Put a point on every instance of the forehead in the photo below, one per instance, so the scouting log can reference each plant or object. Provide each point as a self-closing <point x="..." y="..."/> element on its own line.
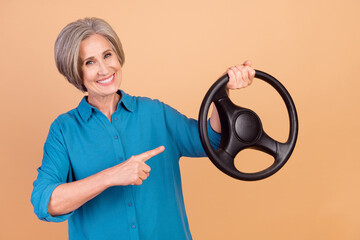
<point x="93" y="46"/>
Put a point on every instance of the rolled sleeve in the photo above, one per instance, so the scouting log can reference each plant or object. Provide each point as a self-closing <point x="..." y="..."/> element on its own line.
<point x="54" y="171"/>
<point x="40" y="200"/>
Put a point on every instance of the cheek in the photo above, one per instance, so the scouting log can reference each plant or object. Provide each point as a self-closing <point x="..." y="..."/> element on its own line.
<point x="115" y="63"/>
<point x="88" y="76"/>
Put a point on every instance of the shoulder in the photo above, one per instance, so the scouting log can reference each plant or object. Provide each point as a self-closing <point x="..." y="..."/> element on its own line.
<point x="71" y="116"/>
<point x="147" y="104"/>
<point x="65" y="122"/>
<point x="156" y="109"/>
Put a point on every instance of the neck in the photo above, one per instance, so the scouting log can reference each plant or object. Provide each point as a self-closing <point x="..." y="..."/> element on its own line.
<point x="107" y="105"/>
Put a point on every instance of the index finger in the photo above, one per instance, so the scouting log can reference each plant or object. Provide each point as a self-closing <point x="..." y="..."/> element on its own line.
<point x="247" y="63"/>
<point x="149" y="154"/>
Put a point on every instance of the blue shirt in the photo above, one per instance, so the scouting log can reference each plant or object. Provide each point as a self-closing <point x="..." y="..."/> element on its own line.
<point x="83" y="142"/>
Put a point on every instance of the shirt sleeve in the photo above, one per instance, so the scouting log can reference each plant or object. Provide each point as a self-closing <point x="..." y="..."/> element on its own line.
<point x="53" y="171"/>
<point x="186" y="133"/>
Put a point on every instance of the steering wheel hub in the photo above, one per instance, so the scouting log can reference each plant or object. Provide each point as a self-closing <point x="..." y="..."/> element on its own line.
<point x="247" y="127"/>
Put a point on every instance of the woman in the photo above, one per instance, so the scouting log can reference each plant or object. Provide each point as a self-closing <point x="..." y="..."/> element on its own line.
<point x="97" y="157"/>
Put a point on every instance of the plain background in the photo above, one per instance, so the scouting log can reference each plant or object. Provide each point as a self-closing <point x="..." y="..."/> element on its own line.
<point x="174" y="51"/>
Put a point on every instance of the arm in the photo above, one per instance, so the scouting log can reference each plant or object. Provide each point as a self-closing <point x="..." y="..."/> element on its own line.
<point x="68" y="197"/>
<point x="184" y="132"/>
<point x="240" y="76"/>
<point x="54" y="197"/>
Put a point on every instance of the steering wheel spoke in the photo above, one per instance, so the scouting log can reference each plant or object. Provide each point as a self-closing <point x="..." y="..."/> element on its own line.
<point x="267" y="144"/>
<point x="225" y="106"/>
<point x="232" y="145"/>
<point x="226" y="158"/>
<point x="228" y="112"/>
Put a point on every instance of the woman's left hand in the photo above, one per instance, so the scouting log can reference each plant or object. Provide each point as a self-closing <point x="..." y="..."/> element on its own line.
<point x="240" y="76"/>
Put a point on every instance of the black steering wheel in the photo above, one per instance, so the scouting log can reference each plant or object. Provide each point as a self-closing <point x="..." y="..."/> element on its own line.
<point x="242" y="128"/>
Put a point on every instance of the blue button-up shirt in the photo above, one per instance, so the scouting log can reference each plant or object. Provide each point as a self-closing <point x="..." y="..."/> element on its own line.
<point x="83" y="142"/>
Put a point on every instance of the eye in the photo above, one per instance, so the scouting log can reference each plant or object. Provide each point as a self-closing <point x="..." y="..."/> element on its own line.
<point x="107" y="55"/>
<point x="88" y="63"/>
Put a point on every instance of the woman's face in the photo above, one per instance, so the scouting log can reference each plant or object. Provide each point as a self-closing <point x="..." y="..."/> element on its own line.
<point x="100" y="66"/>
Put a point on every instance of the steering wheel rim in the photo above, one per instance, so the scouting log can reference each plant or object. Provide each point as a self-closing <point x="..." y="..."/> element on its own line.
<point x="236" y="136"/>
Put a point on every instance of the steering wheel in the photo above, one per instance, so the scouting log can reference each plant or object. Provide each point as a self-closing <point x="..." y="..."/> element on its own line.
<point x="242" y="128"/>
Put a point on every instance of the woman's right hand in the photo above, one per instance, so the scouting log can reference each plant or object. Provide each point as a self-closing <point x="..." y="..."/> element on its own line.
<point x="133" y="171"/>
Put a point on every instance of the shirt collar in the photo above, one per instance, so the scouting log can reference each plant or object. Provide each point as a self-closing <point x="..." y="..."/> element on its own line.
<point x="126" y="100"/>
<point x="85" y="109"/>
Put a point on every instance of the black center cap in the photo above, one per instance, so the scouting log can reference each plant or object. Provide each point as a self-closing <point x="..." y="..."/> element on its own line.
<point x="247" y="126"/>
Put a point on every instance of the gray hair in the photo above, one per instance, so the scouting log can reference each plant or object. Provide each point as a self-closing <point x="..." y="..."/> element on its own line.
<point x="67" y="47"/>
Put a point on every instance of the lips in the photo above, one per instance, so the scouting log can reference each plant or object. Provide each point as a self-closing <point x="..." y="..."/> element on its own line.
<point x="106" y="81"/>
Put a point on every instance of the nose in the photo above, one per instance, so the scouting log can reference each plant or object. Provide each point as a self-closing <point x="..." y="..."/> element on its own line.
<point x="103" y="68"/>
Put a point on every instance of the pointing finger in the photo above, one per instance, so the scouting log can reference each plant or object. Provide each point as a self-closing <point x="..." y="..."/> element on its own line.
<point x="149" y="154"/>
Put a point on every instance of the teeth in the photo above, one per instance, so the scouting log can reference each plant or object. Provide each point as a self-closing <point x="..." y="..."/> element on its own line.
<point x="107" y="80"/>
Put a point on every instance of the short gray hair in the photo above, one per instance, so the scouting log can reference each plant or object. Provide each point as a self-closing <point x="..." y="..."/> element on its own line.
<point x="67" y="47"/>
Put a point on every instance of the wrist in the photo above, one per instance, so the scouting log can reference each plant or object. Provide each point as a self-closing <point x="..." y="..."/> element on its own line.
<point x="106" y="178"/>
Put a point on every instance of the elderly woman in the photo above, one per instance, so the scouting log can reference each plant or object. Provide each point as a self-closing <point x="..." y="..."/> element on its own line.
<point x="98" y="156"/>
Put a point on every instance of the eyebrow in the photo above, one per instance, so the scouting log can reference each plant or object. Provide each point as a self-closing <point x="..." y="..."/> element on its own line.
<point x="88" y="58"/>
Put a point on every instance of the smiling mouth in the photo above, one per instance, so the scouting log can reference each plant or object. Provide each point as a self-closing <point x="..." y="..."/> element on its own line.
<point x="107" y="80"/>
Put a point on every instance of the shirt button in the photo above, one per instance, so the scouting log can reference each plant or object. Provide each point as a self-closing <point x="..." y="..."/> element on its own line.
<point x="116" y="137"/>
<point x="130" y="204"/>
<point x="115" y="118"/>
<point x="120" y="158"/>
<point x="133" y="226"/>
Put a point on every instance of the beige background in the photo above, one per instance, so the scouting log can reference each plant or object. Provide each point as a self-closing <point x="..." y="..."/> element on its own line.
<point x="174" y="51"/>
